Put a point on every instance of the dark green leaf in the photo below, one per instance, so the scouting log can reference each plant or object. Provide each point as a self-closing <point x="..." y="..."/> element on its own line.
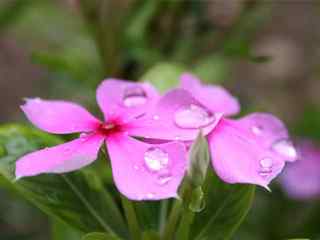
<point x="63" y="231"/>
<point x="69" y="197"/>
<point x="226" y="207"/>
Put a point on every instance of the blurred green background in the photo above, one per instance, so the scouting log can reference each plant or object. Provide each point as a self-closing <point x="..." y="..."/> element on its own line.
<point x="267" y="53"/>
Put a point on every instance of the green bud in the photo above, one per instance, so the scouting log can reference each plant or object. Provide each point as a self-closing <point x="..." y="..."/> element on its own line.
<point x="164" y="76"/>
<point x="199" y="160"/>
<point x="190" y="190"/>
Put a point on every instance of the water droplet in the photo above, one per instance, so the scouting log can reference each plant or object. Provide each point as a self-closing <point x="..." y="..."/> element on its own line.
<point x="156" y="117"/>
<point x="177" y="138"/>
<point x="83" y="135"/>
<point x="150" y="196"/>
<point x="134" y="96"/>
<point x="257" y="130"/>
<point x="136" y="167"/>
<point x="285" y="148"/>
<point x="156" y="159"/>
<point x="164" y="179"/>
<point x="266" y="167"/>
<point x="266" y="163"/>
<point x="193" y="116"/>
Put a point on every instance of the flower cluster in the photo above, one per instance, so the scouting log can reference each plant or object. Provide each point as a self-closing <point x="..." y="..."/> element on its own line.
<point x="147" y="136"/>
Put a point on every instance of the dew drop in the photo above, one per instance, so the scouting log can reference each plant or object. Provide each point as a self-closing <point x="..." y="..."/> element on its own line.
<point x="156" y="117"/>
<point x="257" y="130"/>
<point x="285" y="148"/>
<point x="150" y="196"/>
<point x="83" y="135"/>
<point x="164" y="179"/>
<point x="156" y="159"/>
<point x="193" y="116"/>
<point x="134" y="96"/>
<point x="136" y="167"/>
<point x="265" y="167"/>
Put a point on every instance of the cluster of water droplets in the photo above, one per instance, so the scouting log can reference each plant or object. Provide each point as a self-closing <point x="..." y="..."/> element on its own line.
<point x="283" y="147"/>
<point x="156" y="161"/>
<point x="193" y="116"/>
<point x="134" y="96"/>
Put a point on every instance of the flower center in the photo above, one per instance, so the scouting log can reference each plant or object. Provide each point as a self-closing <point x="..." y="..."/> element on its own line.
<point x="109" y="128"/>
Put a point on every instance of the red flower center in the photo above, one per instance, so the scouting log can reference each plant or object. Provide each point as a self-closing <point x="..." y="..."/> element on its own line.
<point x="109" y="128"/>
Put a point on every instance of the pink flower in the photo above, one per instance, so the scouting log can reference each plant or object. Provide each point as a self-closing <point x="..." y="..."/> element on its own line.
<point x="252" y="150"/>
<point x="301" y="180"/>
<point x="141" y="171"/>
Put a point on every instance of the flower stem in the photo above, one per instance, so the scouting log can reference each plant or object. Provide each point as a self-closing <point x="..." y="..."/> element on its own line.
<point x="170" y="227"/>
<point x="185" y="224"/>
<point x="163" y="214"/>
<point x="132" y="219"/>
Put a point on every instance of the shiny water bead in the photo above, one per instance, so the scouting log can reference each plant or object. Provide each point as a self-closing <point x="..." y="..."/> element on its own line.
<point x="156" y="159"/>
<point x="134" y="96"/>
<point x="265" y="167"/>
<point x="164" y="179"/>
<point x="193" y="116"/>
<point x="257" y="130"/>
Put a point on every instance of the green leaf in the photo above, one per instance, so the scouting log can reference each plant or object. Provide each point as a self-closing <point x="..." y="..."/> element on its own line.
<point x="226" y="207"/>
<point x="68" y="197"/>
<point x="164" y="76"/>
<point x="99" y="236"/>
<point x="63" y="231"/>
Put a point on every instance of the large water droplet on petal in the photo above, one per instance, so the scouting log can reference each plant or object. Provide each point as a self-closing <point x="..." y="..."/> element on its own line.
<point x="193" y="116"/>
<point x="134" y="96"/>
<point x="266" y="163"/>
<point x="156" y="159"/>
<point x="285" y="148"/>
<point x="265" y="167"/>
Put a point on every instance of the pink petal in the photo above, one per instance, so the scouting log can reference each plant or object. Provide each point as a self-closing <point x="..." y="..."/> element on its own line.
<point x="62" y="158"/>
<point x="241" y="154"/>
<point x="144" y="171"/>
<point x="126" y="99"/>
<point x="214" y="97"/>
<point x="301" y="179"/>
<point x="177" y="116"/>
<point x="59" y="116"/>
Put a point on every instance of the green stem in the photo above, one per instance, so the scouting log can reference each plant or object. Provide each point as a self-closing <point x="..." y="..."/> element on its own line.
<point x="163" y="215"/>
<point x="132" y="219"/>
<point x="185" y="224"/>
<point x="170" y="227"/>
